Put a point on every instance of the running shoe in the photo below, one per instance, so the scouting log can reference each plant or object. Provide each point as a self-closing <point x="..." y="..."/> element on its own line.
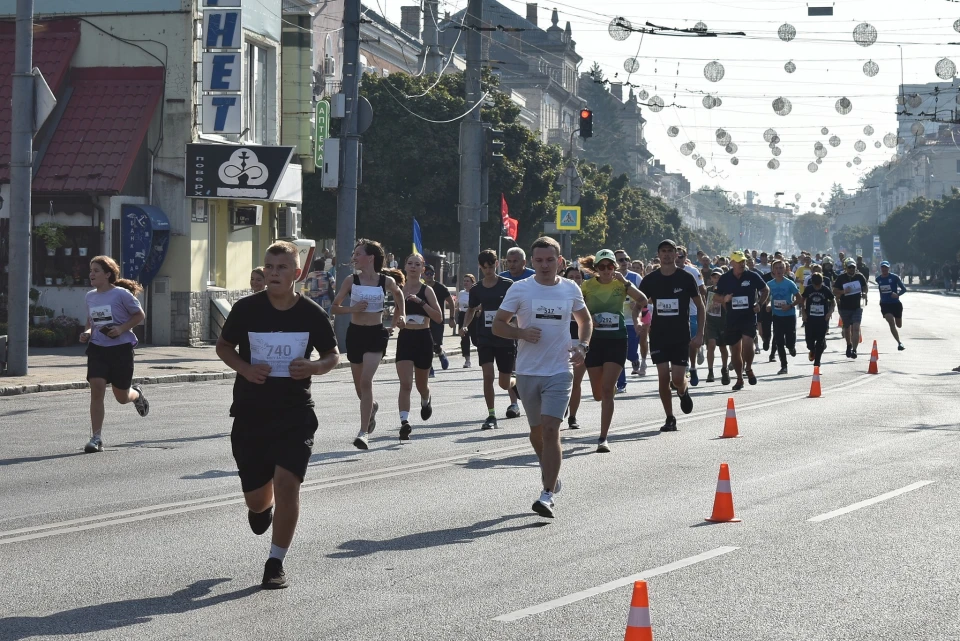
<point x="724" y="376"/>
<point x="643" y="369"/>
<point x="602" y="446"/>
<point x="405" y="430"/>
<point x="853" y="353"/>
<point x="513" y="411"/>
<point x="426" y="408"/>
<point x="670" y="425"/>
<point x="694" y="378"/>
<point x="572" y="423"/>
<point x="274" y="577"/>
<point x="710" y="377"/>
<point x="793" y="351"/>
<point x="544" y="505"/>
<point x="636" y="368"/>
<point x="700" y="356"/>
<point x="738" y="385"/>
<point x="621" y="390"/>
<point x="900" y="347"/>
<point x="773" y="357"/>
<point x="361" y="441"/>
<point x="810" y="356"/>
<point x="444" y="361"/>
<point x="372" y="423"/>
<point x="260" y="521"/>
<point x="751" y="377"/>
<point x="686" y="403"/>
<point x="95" y="444"/>
<point x="490" y="423"/>
<point x="466" y="364"/>
<point x="756" y="349"/>
<point x="432" y="374"/>
<point x="849" y="351"/>
<point x="766" y="345"/>
<point x="142" y="404"/>
<point x="783" y="370"/>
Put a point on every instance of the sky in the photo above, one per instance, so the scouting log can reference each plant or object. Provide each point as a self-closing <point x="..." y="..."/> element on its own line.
<point x="828" y="66"/>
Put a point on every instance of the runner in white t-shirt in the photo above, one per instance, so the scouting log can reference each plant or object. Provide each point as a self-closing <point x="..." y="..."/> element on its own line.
<point x="544" y="306"/>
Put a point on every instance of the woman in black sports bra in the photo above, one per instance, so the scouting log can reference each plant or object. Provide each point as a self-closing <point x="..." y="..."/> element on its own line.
<point x="415" y="343"/>
<point x="366" y="335"/>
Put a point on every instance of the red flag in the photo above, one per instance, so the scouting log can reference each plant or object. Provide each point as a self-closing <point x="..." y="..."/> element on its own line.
<point x="509" y="225"/>
<point x="512" y="227"/>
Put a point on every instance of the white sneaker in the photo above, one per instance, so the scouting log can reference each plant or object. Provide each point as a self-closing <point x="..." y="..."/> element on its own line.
<point x="361" y="441"/>
<point x="700" y="356"/>
<point x="643" y="369"/>
<point x="544" y="505"/>
<point x="466" y="364"/>
<point x="602" y="446"/>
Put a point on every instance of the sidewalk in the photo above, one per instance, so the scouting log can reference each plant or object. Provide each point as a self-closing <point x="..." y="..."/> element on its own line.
<point x="53" y="369"/>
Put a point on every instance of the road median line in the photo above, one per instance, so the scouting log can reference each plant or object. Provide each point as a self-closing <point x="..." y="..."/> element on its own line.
<point x="869" y="502"/>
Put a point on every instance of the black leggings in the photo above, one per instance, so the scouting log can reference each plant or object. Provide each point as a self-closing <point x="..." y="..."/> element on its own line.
<point x="464" y="340"/>
<point x="784" y="336"/>
<point x="816" y="335"/>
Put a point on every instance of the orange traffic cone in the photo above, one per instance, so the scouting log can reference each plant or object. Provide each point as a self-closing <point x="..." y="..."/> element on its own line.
<point x="839" y="322"/>
<point x="723" y="502"/>
<point x="815" y="384"/>
<point x="874" y="357"/>
<point x="730" y="423"/>
<point x="638" y="621"/>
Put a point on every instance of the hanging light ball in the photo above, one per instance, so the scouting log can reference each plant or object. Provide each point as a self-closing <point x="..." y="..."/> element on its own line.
<point x="776" y="202"/>
<point x="718" y="101"/>
<point x="877" y="144"/>
<point x="643" y="95"/>
<point x="824" y="131"/>
<point x="655" y="104"/>
<point x="788" y="32"/>
<point x="856" y="160"/>
<point x="813" y="167"/>
<point x="731" y="148"/>
<point x="782" y="106"/>
<point x="820" y="153"/>
<point x="797" y="195"/>
<point x="819" y="161"/>
<point x="868" y="130"/>
<point x="834" y="141"/>
<point x="672" y="131"/>
<point x="812" y="204"/>
<point x="914" y="100"/>
<point x="775" y="139"/>
<point x="709" y="102"/>
<point x="686" y="149"/>
<point x="859" y="146"/>
<point x="870" y="68"/>
<point x="790" y="67"/>
<point x="844" y="106"/>
<point x="701" y="162"/>
<point x="720" y="133"/>
<point x="917" y="129"/>
<point x="713" y="71"/>
<point x="890" y="140"/>
<point x="631" y="65"/>
<point x="700" y="26"/>
<point x="956" y="24"/>
<point x="619" y="28"/>
<point x="849" y="164"/>
<point x="864" y="34"/>
<point x="769" y="134"/>
<point x="694" y="156"/>
<point x="734" y="161"/>
<point x="773" y="163"/>
<point x="946" y="69"/>
<point x="776" y="151"/>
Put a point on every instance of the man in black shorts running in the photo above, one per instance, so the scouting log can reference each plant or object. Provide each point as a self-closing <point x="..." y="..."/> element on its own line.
<point x="436" y="329"/>
<point x="745" y="293"/>
<point x="276" y="331"/>
<point x="670" y="291"/>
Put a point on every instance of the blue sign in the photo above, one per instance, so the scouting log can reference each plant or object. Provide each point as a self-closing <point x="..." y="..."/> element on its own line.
<point x="144" y="240"/>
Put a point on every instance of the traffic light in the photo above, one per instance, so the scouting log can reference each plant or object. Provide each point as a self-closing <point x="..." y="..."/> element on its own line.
<point x="492" y="146"/>
<point x="586" y="123"/>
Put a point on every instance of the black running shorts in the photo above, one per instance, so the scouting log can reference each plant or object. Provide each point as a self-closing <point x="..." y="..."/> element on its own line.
<point x="675" y="353"/>
<point x="362" y="339"/>
<point x="606" y="350"/>
<point x="895" y="308"/>
<point x="732" y="335"/>
<point x="113" y="364"/>
<point x="263" y="440"/>
<point x="415" y="345"/>
<point x="504" y="355"/>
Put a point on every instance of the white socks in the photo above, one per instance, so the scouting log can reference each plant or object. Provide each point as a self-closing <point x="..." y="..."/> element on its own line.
<point x="404" y="416"/>
<point x="277" y="552"/>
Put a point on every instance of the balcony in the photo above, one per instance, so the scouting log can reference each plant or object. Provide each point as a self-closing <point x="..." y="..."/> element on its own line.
<point x="561" y="136"/>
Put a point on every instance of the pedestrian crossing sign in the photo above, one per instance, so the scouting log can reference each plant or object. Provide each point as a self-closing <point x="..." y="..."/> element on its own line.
<point x="568" y="218"/>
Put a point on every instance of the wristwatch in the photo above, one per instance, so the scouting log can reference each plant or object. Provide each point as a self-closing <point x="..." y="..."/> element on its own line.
<point x="584" y="346"/>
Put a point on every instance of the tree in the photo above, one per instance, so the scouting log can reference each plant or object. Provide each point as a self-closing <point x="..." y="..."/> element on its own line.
<point x="936" y="235"/>
<point x="896" y="232"/>
<point x="810" y="232"/>
<point x="608" y="144"/>
<point x="848" y="238"/>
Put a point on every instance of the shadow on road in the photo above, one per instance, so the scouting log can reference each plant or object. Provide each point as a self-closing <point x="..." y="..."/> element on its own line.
<point x="119" y="614"/>
<point x="185" y="439"/>
<point x="434" y="538"/>
<point x="36" y="459"/>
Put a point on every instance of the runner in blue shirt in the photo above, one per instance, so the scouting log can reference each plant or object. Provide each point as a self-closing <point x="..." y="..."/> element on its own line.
<point x="785" y="296"/>
<point x="891" y="289"/>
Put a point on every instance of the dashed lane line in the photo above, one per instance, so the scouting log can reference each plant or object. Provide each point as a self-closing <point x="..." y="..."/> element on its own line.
<point x="868" y="502"/>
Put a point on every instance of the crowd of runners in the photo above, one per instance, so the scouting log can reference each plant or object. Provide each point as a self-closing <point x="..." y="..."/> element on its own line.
<point x="537" y="329"/>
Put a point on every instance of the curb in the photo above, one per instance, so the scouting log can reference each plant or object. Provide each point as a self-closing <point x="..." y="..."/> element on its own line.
<point x="195" y="377"/>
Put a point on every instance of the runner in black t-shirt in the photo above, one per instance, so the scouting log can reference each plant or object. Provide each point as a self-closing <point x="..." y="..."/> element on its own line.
<point x="485" y="299"/>
<point x="436" y="328"/>
<point x="745" y="293"/>
<point x="818" y="304"/>
<point x="274" y="422"/>
<point x="849" y="288"/>
<point x="670" y="291"/>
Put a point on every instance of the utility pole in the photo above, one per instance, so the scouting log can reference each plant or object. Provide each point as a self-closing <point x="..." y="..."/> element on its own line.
<point x="350" y="135"/>
<point x="471" y="146"/>
<point x="21" y="180"/>
<point x="431" y="38"/>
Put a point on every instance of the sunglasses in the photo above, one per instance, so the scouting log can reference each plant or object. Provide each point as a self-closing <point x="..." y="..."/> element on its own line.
<point x="606" y="267"/>
<point x="623" y="260"/>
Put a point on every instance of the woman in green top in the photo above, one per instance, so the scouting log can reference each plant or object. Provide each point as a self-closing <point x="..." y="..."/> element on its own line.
<point x="604" y="296"/>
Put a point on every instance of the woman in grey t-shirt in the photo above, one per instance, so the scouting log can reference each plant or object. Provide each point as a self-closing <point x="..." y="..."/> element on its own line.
<point x="112" y="312"/>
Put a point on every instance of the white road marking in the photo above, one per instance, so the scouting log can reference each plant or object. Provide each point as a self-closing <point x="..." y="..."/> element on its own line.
<point x="613" y="585"/>
<point x="876" y="499"/>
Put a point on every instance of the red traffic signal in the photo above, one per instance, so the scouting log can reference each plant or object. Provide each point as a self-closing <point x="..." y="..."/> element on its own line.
<point x="586" y="123"/>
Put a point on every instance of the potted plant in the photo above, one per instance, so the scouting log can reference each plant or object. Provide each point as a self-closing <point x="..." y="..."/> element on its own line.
<point x="82" y="251"/>
<point x="52" y="235"/>
<point x="48" y="275"/>
<point x="68" y="251"/>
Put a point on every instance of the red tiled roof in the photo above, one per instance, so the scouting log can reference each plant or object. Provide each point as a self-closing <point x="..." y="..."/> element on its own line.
<point x="54" y="44"/>
<point x="101" y="130"/>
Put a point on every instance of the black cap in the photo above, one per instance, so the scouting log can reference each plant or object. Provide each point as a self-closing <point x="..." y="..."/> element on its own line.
<point x="668" y="242"/>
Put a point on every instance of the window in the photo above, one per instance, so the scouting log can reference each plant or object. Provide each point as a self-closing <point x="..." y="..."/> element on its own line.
<point x="257" y="80"/>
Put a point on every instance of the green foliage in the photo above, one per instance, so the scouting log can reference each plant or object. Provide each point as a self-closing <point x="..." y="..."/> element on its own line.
<point x="43" y="337"/>
<point x="52" y="234"/>
<point x="923" y="232"/>
<point x="896" y="232"/>
<point x="810" y="232"/>
<point x="851" y="237"/>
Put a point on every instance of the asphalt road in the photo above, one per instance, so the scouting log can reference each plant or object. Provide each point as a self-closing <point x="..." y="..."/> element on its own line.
<point x="435" y="539"/>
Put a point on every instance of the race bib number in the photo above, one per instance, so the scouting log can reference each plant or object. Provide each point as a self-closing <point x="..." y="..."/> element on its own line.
<point x="277" y="349"/>
<point x="372" y="296"/>
<point x="606" y="322"/>
<point x="551" y="311"/>
<point x="884" y="289"/>
<point x="780" y="304"/>
<point x="101" y="315"/>
<point x="668" y="307"/>
<point x="740" y="302"/>
<point x="416" y="319"/>
<point x="852" y="288"/>
<point x="488" y="318"/>
<point x="816" y="310"/>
